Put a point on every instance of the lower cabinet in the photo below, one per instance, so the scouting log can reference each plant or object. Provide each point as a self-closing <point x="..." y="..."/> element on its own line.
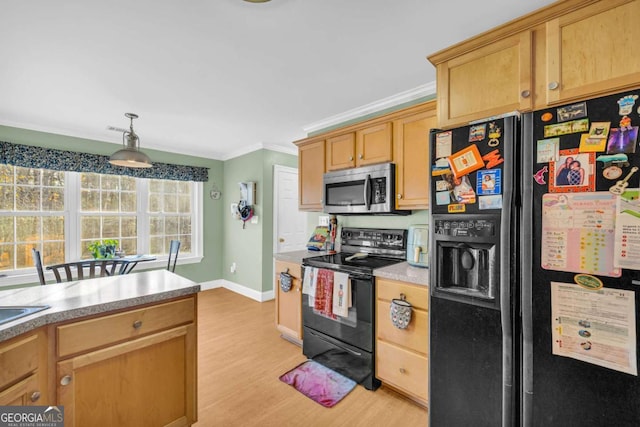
<point x="23" y="376"/>
<point x="289" y="303"/>
<point x="131" y="368"/>
<point x="402" y="361"/>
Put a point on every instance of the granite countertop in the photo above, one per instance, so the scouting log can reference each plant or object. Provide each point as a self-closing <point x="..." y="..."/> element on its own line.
<point x="77" y="299"/>
<point x="297" y="256"/>
<point x="404" y="272"/>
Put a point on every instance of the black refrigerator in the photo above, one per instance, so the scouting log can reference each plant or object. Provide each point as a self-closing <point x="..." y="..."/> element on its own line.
<point x="535" y="268"/>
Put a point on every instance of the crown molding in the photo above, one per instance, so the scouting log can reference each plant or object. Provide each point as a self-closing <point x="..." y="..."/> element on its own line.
<point x="383" y="104"/>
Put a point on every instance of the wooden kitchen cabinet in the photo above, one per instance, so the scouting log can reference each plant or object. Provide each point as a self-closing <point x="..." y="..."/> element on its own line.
<point x="289" y="304"/>
<point x="402" y="355"/>
<point x="374" y="144"/>
<point x="311" y="167"/>
<point x="590" y="51"/>
<point x="411" y="155"/>
<point x="366" y="146"/>
<point x="23" y="376"/>
<point x="568" y="51"/>
<point x="486" y="81"/>
<point x="132" y="368"/>
<point x="341" y="152"/>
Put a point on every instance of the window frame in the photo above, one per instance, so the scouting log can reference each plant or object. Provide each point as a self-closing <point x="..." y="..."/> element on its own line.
<point x="72" y="216"/>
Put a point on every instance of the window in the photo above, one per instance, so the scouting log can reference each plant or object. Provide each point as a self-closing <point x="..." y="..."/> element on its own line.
<point x="31" y="215"/>
<point x="61" y="213"/>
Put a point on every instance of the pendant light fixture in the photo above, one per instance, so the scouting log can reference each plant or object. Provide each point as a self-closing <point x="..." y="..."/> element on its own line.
<point x="130" y="156"/>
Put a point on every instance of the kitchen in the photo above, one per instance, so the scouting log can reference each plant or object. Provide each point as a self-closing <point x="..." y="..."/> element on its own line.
<point x="210" y="205"/>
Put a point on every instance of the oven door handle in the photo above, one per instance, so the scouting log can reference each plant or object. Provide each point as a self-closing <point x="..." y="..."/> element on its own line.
<point x="367" y="192"/>
<point x="334" y="344"/>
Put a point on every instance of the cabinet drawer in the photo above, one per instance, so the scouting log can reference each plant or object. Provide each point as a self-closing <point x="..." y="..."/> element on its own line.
<point x="414" y="337"/>
<point x="93" y="333"/>
<point x="417" y="295"/>
<point x="402" y="369"/>
<point x="18" y="358"/>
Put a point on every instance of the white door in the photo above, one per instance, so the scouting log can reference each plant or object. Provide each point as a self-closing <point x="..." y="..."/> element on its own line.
<point x="290" y="224"/>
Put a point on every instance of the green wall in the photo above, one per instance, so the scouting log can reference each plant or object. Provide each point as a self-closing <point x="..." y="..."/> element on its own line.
<point x="251" y="248"/>
<point x="211" y="266"/>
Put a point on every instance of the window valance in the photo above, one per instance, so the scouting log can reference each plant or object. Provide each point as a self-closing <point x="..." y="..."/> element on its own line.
<point x="28" y="156"/>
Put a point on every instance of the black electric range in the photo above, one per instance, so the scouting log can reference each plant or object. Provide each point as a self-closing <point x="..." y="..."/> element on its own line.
<point x="364" y="250"/>
<point x="346" y="344"/>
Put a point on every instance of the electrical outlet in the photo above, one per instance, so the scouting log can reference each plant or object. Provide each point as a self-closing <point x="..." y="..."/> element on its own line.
<point x="323" y="220"/>
<point x="233" y="268"/>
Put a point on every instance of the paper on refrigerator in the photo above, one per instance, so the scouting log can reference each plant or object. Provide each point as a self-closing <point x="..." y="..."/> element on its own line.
<point x="627" y="233"/>
<point x="595" y="326"/>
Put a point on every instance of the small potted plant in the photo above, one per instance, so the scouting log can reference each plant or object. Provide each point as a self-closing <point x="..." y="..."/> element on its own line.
<point x="103" y="249"/>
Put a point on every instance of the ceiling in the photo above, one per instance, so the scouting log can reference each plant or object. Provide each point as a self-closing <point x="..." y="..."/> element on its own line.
<point x="220" y="78"/>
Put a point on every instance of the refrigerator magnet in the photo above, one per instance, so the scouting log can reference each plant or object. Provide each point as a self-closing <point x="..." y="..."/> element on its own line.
<point x="538" y="177"/>
<point x="572" y="172"/>
<point x="626" y="103"/>
<point x="492" y="159"/>
<point x="494" y="135"/>
<point x="490" y="202"/>
<point x="588" y="281"/>
<point x="489" y="181"/>
<point x="547" y="150"/>
<point x="443" y="144"/>
<point x="572" y="112"/>
<point x="591" y="145"/>
<point x="622" y="140"/>
<point x="477" y="132"/>
<point x="546" y="117"/>
<point x="465" y="161"/>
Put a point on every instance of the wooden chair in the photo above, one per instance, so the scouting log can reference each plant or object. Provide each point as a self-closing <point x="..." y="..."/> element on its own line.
<point x="37" y="262"/>
<point x="174" y="248"/>
<point x="89" y="269"/>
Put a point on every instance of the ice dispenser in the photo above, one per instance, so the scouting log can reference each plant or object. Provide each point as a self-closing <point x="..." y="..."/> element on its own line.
<point x="418" y="245"/>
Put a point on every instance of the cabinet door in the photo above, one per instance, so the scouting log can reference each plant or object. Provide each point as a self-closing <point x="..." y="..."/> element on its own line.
<point x="289" y="304"/>
<point x="491" y="80"/>
<point x="341" y="152"/>
<point x="374" y="145"/>
<point x="591" y="51"/>
<point x="311" y="163"/>
<point x="147" y="381"/>
<point x="411" y="155"/>
<point x="25" y="393"/>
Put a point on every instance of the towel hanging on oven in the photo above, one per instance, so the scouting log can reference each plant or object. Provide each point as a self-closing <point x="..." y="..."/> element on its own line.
<point x="286" y="280"/>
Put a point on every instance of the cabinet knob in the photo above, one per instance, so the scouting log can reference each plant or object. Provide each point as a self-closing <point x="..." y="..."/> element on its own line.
<point x="553" y="85"/>
<point x="525" y="93"/>
<point x="402" y="371"/>
<point x="137" y="324"/>
<point x="351" y="159"/>
<point x="399" y="196"/>
<point x="65" y="380"/>
<point x="361" y="156"/>
<point x="281" y="240"/>
<point x="35" y="396"/>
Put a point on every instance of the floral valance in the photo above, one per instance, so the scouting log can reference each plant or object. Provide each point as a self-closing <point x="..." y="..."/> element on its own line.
<point x="28" y="156"/>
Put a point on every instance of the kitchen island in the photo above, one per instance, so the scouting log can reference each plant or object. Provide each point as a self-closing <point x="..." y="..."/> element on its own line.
<point x="116" y="350"/>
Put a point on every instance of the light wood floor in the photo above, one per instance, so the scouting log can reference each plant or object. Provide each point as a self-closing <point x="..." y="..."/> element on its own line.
<point x="240" y="357"/>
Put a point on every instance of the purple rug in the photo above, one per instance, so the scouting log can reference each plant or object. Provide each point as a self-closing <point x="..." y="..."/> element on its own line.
<point x="319" y="383"/>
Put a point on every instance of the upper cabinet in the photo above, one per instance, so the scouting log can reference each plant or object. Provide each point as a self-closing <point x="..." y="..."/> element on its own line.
<point x="489" y="80"/>
<point x="366" y="146"/>
<point x="411" y="155"/>
<point x="311" y="167"/>
<point x="570" y="50"/>
<point x="374" y="144"/>
<point x="401" y="137"/>
<point x="591" y="51"/>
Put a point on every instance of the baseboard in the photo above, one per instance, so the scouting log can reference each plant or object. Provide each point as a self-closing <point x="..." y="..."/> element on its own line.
<point x="239" y="289"/>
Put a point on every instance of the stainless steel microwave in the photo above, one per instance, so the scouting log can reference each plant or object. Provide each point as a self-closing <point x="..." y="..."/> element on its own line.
<point x="364" y="190"/>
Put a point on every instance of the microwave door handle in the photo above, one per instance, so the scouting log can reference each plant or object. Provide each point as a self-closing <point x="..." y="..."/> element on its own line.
<point x="367" y="192"/>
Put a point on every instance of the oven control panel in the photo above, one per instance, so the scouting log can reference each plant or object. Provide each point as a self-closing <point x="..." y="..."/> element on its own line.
<point x="374" y="238"/>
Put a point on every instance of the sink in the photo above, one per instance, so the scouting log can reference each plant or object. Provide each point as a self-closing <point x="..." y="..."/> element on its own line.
<point x="9" y="313"/>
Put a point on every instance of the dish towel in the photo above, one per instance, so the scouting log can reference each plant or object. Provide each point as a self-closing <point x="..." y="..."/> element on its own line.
<point x="323" y="303"/>
<point x="309" y="281"/>
<point x="341" y="294"/>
